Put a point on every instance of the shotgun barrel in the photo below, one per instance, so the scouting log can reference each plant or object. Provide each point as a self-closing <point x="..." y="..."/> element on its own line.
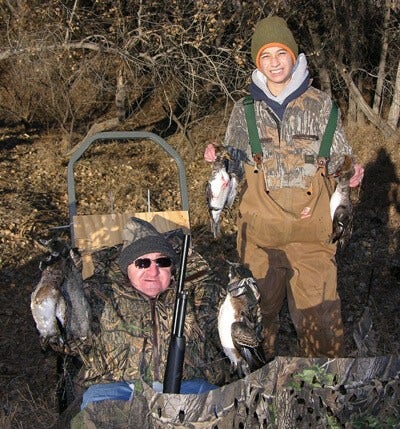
<point x="176" y="350"/>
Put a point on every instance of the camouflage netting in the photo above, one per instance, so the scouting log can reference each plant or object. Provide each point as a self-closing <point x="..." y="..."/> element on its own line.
<point x="286" y="393"/>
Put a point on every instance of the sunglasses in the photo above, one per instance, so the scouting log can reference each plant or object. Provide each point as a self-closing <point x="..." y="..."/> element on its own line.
<point x="163" y="262"/>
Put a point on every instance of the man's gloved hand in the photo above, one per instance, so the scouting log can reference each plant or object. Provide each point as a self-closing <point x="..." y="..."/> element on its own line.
<point x="358" y="175"/>
<point x="209" y="153"/>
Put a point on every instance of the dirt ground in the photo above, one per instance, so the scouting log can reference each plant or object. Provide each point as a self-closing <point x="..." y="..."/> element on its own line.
<point x="118" y="177"/>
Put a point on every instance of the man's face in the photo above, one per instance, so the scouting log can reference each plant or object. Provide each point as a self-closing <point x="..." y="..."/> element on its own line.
<point x="276" y="65"/>
<point x="152" y="280"/>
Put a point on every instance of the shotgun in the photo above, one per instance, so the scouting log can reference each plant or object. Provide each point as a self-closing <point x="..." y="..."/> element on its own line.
<point x="176" y="350"/>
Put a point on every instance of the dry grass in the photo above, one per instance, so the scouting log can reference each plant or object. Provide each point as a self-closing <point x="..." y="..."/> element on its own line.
<point x="34" y="199"/>
<point x="24" y="409"/>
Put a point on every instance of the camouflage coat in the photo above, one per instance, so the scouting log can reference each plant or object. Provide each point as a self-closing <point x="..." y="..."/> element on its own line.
<point x="132" y="331"/>
<point x="290" y="146"/>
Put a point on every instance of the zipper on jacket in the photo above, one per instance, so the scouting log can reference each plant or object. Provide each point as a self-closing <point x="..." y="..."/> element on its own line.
<point x="277" y="121"/>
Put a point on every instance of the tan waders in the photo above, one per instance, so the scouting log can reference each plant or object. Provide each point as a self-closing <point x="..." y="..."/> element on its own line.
<point x="291" y="258"/>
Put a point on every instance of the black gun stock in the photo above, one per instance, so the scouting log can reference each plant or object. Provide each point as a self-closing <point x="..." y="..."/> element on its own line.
<point x="176" y="350"/>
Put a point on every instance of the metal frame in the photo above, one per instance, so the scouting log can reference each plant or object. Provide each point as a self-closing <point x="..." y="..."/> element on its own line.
<point x="123" y="135"/>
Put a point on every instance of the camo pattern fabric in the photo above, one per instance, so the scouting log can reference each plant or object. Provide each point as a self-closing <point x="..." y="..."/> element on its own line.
<point x="290" y="147"/>
<point x="289" y="392"/>
<point x="132" y="331"/>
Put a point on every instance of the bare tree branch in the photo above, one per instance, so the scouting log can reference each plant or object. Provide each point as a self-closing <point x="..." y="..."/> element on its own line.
<point x="59" y="63"/>
<point x="382" y="62"/>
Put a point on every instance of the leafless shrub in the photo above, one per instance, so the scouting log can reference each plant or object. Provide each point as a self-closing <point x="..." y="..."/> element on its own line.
<point x="63" y="58"/>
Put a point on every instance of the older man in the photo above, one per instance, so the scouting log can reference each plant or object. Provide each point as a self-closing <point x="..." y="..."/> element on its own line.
<point x="132" y="296"/>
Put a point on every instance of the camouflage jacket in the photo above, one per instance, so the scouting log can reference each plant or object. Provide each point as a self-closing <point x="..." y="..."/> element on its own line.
<point x="290" y="147"/>
<point x="132" y="332"/>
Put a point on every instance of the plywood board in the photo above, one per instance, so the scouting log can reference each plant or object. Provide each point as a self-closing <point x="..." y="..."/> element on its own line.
<point x="97" y="231"/>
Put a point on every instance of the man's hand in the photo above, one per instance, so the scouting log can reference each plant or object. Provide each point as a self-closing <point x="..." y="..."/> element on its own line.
<point x="358" y="175"/>
<point x="209" y="153"/>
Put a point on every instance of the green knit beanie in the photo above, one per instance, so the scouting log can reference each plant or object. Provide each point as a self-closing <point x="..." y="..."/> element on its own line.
<point x="272" y="31"/>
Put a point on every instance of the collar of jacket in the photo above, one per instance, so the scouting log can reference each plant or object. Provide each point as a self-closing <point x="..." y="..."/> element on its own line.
<point x="278" y="108"/>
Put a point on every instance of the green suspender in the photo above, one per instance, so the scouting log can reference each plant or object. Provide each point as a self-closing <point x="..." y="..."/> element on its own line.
<point x="252" y="126"/>
<point x="326" y="142"/>
<point x="256" y="150"/>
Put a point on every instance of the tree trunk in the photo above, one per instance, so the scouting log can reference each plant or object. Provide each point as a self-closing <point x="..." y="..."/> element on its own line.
<point x="352" y="111"/>
<point x="382" y="62"/>
<point x="325" y="79"/>
<point x="359" y="112"/>
<point x="323" y="72"/>
<point x="363" y="105"/>
<point x="394" y="111"/>
<point x="355" y="115"/>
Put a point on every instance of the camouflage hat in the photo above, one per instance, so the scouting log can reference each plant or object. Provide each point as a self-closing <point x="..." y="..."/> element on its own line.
<point x="140" y="238"/>
<point x="272" y="31"/>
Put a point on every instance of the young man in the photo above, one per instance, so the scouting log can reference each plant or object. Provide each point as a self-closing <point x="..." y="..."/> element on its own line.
<point x="284" y="221"/>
